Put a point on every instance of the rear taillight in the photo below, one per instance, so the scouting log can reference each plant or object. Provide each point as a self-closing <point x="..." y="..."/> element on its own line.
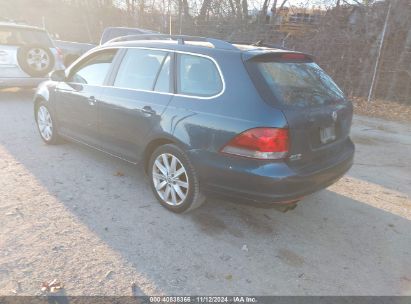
<point x="260" y="143"/>
<point x="60" y="53"/>
<point x="294" y="56"/>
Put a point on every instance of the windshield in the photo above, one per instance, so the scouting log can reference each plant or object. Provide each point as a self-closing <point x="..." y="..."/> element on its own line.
<point x="299" y="84"/>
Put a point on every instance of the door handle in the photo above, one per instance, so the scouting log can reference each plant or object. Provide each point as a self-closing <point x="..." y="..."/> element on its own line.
<point x="92" y="100"/>
<point x="148" y="111"/>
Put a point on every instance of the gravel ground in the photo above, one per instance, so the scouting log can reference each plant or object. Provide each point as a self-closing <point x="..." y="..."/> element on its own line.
<point x="388" y="110"/>
<point x="67" y="214"/>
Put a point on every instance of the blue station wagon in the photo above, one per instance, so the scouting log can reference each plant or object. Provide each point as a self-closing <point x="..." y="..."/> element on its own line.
<point x="204" y="117"/>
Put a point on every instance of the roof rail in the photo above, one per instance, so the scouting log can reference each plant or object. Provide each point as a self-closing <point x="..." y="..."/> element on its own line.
<point x="219" y="44"/>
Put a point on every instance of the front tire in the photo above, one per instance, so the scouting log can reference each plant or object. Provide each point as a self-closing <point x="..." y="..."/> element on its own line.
<point x="174" y="180"/>
<point x="46" y="125"/>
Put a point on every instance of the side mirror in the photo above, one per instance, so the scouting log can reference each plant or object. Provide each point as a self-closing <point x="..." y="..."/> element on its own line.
<point x="59" y="75"/>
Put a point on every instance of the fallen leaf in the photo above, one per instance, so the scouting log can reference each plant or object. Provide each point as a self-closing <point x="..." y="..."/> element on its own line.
<point x="52" y="286"/>
<point x="108" y="274"/>
<point x="229" y="277"/>
<point x="119" y="173"/>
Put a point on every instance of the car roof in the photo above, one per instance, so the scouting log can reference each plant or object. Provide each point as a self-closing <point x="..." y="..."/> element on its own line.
<point x="200" y="47"/>
<point x="20" y="26"/>
<point x="129" y="29"/>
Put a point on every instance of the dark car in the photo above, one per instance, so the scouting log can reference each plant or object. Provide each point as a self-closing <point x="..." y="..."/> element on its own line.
<point x="72" y="50"/>
<point x="205" y="117"/>
<point x="111" y="33"/>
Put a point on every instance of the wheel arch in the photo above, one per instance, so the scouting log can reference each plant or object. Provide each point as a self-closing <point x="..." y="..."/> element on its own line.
<point x="154" y="144"/>
<point x="42" y="95"/>
<point x="37" y="100"/>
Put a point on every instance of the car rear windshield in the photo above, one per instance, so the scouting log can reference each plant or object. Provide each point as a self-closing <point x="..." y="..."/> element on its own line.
<point x="298" y="84"/>
<point x="21" y="36"/>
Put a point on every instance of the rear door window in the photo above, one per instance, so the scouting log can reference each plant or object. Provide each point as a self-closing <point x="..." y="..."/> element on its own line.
<point x="198" y="76"/>
<point x="94" y="69"/>
<point x="301" y="84"/>
<point x="21" y="37"/>
<point x="139" y="69"/>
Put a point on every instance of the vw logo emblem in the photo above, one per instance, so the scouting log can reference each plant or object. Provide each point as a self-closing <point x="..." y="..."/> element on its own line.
<point x="334" y="115"/>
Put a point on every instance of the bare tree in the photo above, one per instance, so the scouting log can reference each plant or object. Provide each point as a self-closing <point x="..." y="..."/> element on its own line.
<point x="239" y="13"/>
<point x="186" y="9"/>
<point x="245" y="9"/>
<point x="205" y="7"/>
<point x="264" y="11"/>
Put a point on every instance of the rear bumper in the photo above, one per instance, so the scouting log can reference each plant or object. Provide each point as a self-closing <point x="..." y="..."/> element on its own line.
<point x="20" y="82"/>
<point x="267" y="182"/>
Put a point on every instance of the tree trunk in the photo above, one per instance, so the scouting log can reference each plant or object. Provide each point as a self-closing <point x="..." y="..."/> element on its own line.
<point x="204" y="10"/>
<point x="264" y="11"/>
<point x="245" y="9"/>
<point x="282" y="4"/>
<point x="274" y="12"/>
<point x="238" y="14"/>
<point x="186" y="9"/>
<point x="180" y="16"/>
<point x="131" y="4"/>
<point x="232" y="7"/>
<point x="141" y="9"/>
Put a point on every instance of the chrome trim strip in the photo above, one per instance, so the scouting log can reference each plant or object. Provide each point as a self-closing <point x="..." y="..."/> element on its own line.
<point x="162" y="93"/>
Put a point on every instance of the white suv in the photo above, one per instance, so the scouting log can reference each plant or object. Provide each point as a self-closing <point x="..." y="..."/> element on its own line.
<point x="27" y="55"/>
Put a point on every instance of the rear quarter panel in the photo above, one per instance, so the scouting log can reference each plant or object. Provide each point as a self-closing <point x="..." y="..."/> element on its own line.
<point x="208" y="124"/>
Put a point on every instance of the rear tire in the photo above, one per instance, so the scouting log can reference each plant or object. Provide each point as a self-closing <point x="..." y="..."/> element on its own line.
<point x="174" y="180"/>
<point x="35" y="60"/>
<point x="46" y="124"/>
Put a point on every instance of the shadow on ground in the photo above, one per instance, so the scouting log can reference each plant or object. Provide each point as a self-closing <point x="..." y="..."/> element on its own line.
<point x="330" y="244"/>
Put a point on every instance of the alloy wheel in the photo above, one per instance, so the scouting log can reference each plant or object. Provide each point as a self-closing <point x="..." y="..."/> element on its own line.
<point x="170" y="179"/>
<point x="38" y="59"/>
<point x="45" y="123"/>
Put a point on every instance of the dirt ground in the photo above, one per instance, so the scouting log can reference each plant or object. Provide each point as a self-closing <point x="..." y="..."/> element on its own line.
<point x="66" y="214"/>
<point x="389" y="110"/>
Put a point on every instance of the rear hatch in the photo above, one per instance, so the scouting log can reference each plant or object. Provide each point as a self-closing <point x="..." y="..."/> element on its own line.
<point x="318" y="114"/>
